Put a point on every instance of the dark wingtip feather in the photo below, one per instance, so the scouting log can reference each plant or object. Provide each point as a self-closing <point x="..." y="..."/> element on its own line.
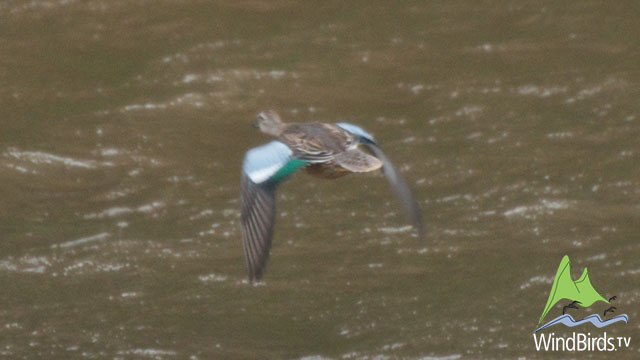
<point x="258" y="219"/>
<point x="400" y="188"/>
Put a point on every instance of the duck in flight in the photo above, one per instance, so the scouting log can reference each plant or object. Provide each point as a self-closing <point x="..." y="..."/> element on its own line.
<point x="324" y="150"/>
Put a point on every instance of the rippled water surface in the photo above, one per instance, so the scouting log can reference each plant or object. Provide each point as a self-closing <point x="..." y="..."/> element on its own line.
<point x="123" y="125"/>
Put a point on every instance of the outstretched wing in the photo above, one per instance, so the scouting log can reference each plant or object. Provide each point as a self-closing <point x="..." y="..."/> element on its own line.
<point x="397" y="182"/>
<point x="263" y="169"/>
<point x="258" y="219"/>
<point x="399" y="187"/>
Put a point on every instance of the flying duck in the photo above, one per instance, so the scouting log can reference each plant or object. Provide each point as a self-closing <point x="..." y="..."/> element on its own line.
<point x="324" y="150"/>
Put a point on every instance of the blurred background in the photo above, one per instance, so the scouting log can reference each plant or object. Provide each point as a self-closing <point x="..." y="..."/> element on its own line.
<point x="123" y="125"/>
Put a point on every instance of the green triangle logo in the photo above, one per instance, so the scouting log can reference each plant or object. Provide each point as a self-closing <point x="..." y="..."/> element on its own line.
<point x="565" y="288"/>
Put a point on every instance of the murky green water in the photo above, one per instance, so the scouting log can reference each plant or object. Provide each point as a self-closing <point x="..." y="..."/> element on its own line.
<point x="123" y="125"/>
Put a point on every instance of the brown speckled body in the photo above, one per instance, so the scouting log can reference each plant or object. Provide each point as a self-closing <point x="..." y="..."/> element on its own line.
<point x="328" y="170"/>
<point x="316" y="140"/>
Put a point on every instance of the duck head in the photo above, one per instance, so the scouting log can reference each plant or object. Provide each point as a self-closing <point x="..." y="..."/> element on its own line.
<point x="269" y="123"/>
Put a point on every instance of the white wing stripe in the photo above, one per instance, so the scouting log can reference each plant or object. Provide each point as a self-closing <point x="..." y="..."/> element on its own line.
<point x="260" y="175"/>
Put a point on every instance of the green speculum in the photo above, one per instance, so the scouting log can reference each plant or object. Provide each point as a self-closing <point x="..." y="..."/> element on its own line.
<point x="289" y="168"/>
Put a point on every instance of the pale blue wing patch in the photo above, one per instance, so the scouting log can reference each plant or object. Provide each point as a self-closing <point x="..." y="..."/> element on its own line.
<point x="356" y="130"/>
<point x="262" y="162"/>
